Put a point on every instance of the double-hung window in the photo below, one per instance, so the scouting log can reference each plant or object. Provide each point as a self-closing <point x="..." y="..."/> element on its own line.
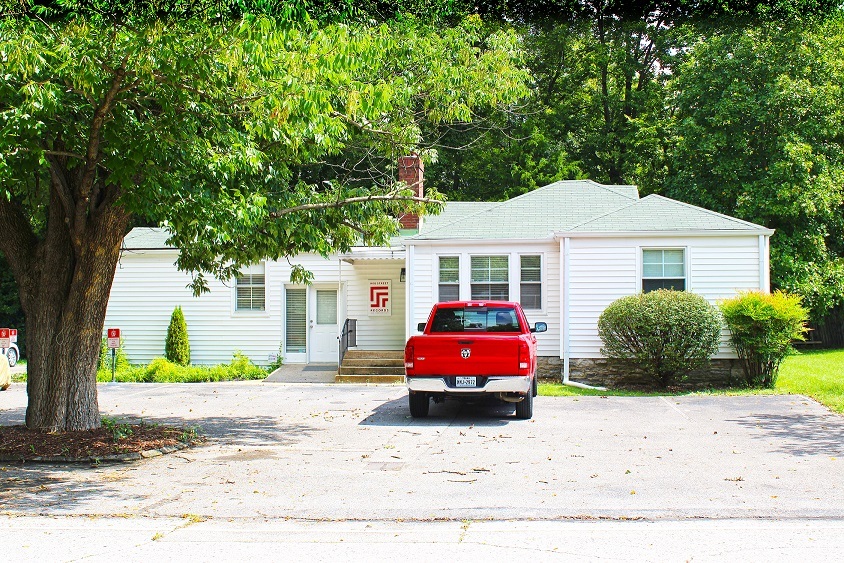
<point x="490" y="278"/>
<point x="663" y="268"/>
<point x="449" y="283"/>
<point x="250" y="288"/>
<point x="531" y="282"/>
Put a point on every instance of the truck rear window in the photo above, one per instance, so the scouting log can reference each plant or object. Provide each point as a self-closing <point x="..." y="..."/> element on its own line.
<point x="476" y="319"/>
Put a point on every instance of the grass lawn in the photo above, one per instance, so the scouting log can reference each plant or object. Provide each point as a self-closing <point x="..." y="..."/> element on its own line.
<point x="818" y="374"/>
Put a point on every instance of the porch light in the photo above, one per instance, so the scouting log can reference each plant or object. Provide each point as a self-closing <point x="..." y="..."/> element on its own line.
<point x="403" y="275"/>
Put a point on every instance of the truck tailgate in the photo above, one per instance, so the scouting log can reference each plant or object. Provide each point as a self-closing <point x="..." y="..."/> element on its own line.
<point x="449" y="354"/>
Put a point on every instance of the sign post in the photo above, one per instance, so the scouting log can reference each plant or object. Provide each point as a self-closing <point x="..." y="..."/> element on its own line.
<point x="113" y="344"/>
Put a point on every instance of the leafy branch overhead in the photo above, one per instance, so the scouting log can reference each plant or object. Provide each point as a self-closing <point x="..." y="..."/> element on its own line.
<point x="204" y="126"/>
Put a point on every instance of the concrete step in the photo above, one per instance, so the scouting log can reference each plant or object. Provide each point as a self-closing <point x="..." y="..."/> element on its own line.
<point x="371" y="370"/>
<point x="383" y="354"/>
<point x="373" y="362"/>
<point x="368" y="378"/>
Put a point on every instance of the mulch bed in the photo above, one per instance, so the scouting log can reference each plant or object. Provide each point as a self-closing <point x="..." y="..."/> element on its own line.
<point x="130" y="442"/>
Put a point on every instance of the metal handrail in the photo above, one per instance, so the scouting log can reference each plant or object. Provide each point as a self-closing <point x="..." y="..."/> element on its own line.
<point x="348" y="337"/>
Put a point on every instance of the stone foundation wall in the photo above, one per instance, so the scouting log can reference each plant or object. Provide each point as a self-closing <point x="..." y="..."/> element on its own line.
<point x="612" y="373"/>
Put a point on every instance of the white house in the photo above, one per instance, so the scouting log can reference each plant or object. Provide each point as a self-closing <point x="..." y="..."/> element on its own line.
<point x="565" y="251"/>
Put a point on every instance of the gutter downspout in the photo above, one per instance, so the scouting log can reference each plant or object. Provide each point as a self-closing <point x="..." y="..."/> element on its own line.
<point x="567" y="321"/>
<point x="764" y="284"/>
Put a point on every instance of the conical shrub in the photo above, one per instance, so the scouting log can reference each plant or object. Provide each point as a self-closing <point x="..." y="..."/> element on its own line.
<point x="177" y="346"/>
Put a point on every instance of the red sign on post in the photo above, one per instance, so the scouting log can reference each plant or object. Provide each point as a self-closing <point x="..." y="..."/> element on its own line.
<point x="13" y="334"/>
<point x="114" y="338"/>
<point x="5" y="338"/>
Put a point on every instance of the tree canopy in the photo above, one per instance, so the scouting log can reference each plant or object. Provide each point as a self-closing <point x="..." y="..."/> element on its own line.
<point x="758" y="133"/>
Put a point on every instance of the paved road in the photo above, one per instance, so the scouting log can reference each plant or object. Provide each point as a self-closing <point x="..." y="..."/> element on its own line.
<point x="351" y="455"/>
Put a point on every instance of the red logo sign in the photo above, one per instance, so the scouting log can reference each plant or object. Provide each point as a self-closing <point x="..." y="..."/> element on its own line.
<point x="4" y="333"/>
<point x="379" y="295"/>
<point x="114" y="333"/>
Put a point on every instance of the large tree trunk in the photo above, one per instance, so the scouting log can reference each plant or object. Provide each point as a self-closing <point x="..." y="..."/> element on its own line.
<point x="64" y="289"/>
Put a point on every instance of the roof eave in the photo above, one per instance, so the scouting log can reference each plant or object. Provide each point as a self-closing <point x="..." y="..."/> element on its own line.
<point x="558" y="235"/>
<point x="479" y="241"/>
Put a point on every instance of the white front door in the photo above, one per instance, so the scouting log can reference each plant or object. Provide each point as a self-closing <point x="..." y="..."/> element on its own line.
<point x="323" y="325"/>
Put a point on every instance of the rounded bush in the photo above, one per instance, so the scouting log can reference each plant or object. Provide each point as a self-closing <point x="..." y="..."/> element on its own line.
<point x="762" y="328"/>
<point x="177" y="345"/>
<point x="664" y="333"/>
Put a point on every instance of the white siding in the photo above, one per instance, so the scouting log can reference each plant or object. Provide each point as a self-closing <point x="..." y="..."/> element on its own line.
<point x="425" y="269"/>
<point x="147" y="287"/>
<point x="604" y="269"/>
<point x="379" y="332"/>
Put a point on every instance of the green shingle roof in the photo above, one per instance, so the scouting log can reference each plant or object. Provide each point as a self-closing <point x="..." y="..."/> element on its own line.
<point x="146" y="238"/>
<point x="658" y="213"/>
<point x="581" y="206"/>
<point x="537" y="214"/>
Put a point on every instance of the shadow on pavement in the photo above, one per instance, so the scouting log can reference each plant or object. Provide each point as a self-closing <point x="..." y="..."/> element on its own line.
<point x="36" y="487"/>
<point x="42" y="487"/>
<point x="800" y="434"/>
<point x="235" y="430"/>
<point x="452" y="412"/>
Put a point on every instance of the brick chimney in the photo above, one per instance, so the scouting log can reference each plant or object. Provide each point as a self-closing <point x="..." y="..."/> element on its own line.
<point x="411" y="170"/>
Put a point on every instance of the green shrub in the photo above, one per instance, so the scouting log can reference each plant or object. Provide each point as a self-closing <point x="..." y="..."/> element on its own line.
<point x="762" y="328"/>
<point x="162" y="370"/>
<point x="664" y="333"/>
<point x="177" y="346"/>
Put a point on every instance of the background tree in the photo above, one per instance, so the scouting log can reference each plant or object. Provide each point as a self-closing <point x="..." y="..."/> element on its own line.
<point x="759" y="134"/>
<point x="600" y="92"/>
<point x="200" y="125"/>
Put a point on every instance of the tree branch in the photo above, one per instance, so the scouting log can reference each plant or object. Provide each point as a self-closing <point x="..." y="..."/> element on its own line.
<point x="92" y="155"/>
<point x="49" y="152"/>
<point x="63" y="191"/>
<point x="350" y="201"/>
<point x="18" y="242"/>
<point x="361" y="126"/>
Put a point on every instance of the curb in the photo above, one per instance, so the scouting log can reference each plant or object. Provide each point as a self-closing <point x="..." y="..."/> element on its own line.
<point x="131" y="456"/>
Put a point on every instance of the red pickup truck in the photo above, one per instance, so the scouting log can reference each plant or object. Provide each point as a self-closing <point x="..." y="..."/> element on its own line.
<point x="471" y="349"/>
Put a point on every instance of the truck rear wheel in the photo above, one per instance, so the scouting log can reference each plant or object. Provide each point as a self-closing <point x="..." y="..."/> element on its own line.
<point x="419" y="403"/>
<point x="524" y="408"/>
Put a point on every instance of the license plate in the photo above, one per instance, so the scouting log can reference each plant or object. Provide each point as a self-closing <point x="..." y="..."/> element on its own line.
<point x="466" y="381"/>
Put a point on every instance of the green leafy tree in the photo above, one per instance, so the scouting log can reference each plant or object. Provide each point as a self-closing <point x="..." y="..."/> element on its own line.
<point x="759" y="135"/>
<point x="201" y="125"/>
<point x="177" y="345"/>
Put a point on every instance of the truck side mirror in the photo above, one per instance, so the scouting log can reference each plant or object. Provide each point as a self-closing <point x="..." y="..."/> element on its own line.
<point x="420" y="327"/>
<point x="539" y="327"/>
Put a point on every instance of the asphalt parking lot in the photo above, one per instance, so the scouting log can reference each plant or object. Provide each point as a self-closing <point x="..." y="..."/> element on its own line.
<point x="348" y="452"/>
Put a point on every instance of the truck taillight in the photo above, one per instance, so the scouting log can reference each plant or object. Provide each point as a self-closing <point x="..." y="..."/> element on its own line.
<point x="408" y="357"/>
<point x="524" y="355"/>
